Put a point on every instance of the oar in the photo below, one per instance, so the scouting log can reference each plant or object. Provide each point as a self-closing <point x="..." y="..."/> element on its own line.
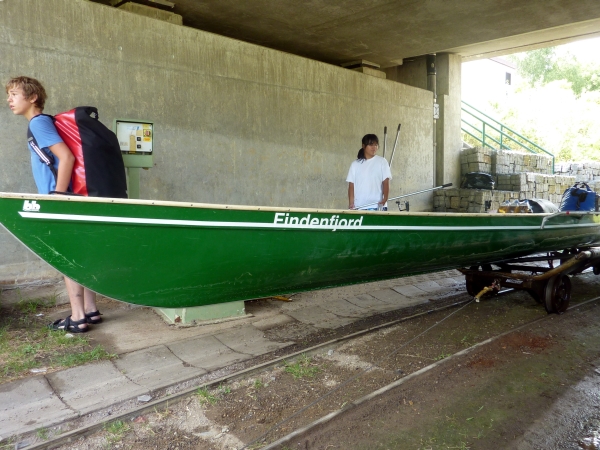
<point x="395" y="142"/>
<point x="408" y="195"/>
<point x="384" y="140"/>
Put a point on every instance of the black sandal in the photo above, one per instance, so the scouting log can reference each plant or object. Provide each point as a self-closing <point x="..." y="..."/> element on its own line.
<point x="88" y="317"/>
<point x="72" y="326"/>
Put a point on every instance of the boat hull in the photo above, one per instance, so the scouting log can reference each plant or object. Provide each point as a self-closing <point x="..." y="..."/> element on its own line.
<point x="173" y="255"/>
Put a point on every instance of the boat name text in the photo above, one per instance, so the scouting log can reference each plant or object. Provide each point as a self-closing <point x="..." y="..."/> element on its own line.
<point x="332" y="221"/>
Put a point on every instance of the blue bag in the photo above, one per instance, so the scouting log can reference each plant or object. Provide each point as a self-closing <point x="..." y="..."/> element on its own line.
<point x="579" y="197"/>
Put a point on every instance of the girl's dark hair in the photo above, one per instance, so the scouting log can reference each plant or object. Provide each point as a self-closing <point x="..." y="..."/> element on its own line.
<point x="367" y="139"/>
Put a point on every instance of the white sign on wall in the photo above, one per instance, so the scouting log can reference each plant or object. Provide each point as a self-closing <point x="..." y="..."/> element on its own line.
<point x="135" y="137"/>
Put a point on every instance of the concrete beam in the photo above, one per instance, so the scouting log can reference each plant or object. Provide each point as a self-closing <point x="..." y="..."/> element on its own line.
<point x="387" y="32"/>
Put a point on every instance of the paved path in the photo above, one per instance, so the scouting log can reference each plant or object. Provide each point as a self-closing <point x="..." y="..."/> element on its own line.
<point x="158" y="356"/>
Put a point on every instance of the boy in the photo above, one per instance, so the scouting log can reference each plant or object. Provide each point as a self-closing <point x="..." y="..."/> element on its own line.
<point x="27" y="97"/>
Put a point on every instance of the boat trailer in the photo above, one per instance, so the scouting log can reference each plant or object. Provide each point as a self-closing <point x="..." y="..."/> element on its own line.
<point x="550" y="286"/>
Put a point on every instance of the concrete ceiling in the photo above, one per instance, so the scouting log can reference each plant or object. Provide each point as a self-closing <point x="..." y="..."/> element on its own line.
<point x="388" y="31"/>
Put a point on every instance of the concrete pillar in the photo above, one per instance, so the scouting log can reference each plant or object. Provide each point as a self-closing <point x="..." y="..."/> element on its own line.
<point x="413" y="72"/>
<point x="448" y="134"/>
<point x="446" y="143"/>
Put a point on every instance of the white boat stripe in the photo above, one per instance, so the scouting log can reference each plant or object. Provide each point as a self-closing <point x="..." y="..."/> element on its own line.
<point x="212" y="224"/>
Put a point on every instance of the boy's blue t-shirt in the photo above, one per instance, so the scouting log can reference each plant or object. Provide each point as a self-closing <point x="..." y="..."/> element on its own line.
<point x="43" y="130"/>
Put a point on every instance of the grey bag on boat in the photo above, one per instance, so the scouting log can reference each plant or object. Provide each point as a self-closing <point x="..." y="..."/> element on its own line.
<point x="540" y="205"/>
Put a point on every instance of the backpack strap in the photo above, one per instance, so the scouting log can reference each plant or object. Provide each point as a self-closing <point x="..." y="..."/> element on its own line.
<point x="45" y="158"/>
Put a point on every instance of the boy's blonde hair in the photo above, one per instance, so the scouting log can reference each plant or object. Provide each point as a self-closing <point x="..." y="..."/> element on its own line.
<point x="30" y="87"/>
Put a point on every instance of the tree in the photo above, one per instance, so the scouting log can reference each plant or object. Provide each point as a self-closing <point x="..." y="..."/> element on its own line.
<point x="543" y="66"/>
<point x="555" y="118"/>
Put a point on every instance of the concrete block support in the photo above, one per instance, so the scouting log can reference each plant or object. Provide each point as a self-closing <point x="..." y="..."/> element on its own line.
<point x="186" y="316"/>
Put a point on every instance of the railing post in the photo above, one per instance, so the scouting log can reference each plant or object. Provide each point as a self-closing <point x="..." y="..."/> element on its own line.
<point x="501" y="136"/>
<point x="483" y="134"/>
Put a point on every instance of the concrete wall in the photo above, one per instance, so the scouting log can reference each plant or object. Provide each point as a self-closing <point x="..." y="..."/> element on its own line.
<point x="234" y="123"/>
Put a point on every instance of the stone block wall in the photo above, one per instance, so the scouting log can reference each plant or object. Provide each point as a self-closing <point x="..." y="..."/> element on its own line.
<point x="503" y="161"/>
<point x="588" y="172"/>
<point x="507" y="161"/>
<point x="476" y="160"/>
<point x="474" y="200"/>
<point x="517" y="176"/>
<point x="535" y="185"/>
<point x="462" y="200"/>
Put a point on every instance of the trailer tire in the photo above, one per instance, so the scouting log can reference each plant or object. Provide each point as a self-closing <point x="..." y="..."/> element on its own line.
<point x="557" y="294"/>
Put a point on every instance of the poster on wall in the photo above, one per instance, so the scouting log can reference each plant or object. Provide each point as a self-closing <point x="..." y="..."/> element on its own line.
<point x="135" y="137"/>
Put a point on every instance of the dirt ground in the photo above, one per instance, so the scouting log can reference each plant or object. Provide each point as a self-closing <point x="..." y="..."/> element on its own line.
<point x="535" y="388"/>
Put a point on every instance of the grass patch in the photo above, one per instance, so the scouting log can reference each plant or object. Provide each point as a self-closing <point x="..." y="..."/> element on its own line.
<point x="442" y="356"/>
<point x="26" y="343"/>
<point x="77" y="359"/>
<point x="302" y="368"/>
<point x="42" y="433"/>
<point x="33" y="305"/>
<point x="8" y="444"/>
<point x="116" y="430"/>
<point x="161" y="415"/>
<point x="224" y="390"/>
<point x="205" y="397"/>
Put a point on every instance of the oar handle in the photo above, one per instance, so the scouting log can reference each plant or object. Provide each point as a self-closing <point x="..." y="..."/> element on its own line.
<point x="384" y="140"/>
<point x="395" y="143"/>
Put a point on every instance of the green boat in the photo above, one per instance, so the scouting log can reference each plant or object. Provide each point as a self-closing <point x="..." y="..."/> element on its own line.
<point x="173" y="254"/>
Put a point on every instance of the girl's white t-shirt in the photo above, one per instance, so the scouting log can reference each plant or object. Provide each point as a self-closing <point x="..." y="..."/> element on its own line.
<point x="367" y="176"/>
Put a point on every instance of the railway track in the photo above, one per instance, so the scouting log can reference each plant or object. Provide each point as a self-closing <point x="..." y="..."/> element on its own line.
<point x="273" y="434"/>
<point x="298" y="434"/>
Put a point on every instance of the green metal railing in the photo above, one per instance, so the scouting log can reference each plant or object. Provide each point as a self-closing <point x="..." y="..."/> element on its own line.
<point x="490" y="133"/>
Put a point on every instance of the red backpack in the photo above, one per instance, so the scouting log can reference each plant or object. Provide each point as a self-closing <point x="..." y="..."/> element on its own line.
<point x="98" y="170"/>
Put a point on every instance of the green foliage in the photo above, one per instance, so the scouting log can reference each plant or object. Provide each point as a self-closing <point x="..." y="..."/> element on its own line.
<point x="116" y="430"/>
<point x="205" y="397"/>
<point x="42" y="434"/>
<point x="555" y="118"/>
<point x="32" y="305"/>
<point x="77" y="359"/>
<point x="537" y="66"/>
<point x="543" y="66"/>
<point x="302" y="368"/>
<point x="39" y="346"/>
<point x="442" y="356"/>
<point x="224" y="390"/>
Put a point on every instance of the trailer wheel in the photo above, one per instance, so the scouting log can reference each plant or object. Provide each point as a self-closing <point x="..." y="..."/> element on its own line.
<point x="557" y="294"/>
